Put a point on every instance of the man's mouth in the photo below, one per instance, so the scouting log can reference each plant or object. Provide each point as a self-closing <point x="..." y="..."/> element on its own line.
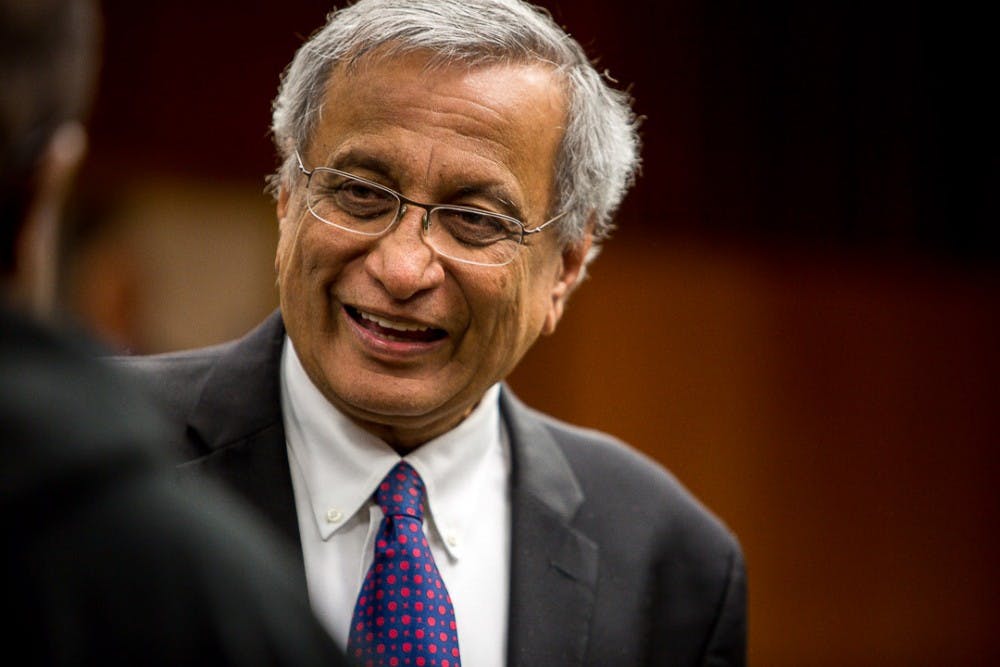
<point x="410" y="332"/>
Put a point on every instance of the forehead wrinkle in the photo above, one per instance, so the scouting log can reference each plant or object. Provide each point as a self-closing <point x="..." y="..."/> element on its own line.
<point x="373" y="152"/>
<point x="466" y="115"/>
<point x="486" y="139"/>
<point x="496" y="143"/>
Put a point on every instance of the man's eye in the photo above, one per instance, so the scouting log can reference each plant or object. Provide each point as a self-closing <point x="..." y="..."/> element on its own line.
<point x="360" y="192"/>
<point x="472" y="218"/>
<point x="475" y="227"/>
<point x="361" y="200"/>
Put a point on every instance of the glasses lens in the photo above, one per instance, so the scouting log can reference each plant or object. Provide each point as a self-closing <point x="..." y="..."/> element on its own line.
<point x="474" y="236"/>
<point x="351" y="203"/>
<point x="465" y="234"/>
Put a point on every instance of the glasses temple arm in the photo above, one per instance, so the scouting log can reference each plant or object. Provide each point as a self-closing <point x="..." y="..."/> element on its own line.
<point x="302" y="167"/>
<point x="541" y="227"/>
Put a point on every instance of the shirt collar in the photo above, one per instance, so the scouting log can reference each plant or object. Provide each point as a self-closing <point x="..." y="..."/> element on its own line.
<point x="341" y="463"/>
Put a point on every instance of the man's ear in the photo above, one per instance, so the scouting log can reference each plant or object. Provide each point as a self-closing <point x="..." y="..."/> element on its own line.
<point x="282" y="206"/>
<point x="571" y="273"/>
<point x="281" y="209"/>
<point x="38" y="243"/>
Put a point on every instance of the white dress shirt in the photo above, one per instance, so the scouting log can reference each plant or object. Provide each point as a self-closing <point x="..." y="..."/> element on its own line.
<point x="336" y="466"/>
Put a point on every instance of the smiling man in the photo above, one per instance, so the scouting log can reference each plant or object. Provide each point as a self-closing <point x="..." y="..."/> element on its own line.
<point x="449" y="169"/>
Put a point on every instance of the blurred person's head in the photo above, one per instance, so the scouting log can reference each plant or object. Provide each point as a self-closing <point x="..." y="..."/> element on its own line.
<point x="49" y="52"/>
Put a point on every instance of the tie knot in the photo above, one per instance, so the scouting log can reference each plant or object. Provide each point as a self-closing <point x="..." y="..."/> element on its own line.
<point x="401" y="492"/>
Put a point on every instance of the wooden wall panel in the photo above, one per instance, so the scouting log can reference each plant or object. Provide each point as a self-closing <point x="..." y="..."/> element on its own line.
<point x="839" y="415"/>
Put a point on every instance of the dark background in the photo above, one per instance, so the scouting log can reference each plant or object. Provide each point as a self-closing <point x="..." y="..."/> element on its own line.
<point x="867" y="126"/>
<point x="798" y="314"/>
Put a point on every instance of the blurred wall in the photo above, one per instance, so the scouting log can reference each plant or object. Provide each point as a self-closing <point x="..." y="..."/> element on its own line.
<point x="798" y="315"/>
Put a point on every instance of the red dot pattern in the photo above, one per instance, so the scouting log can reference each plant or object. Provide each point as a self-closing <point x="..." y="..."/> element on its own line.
<point x="404" y="616"/>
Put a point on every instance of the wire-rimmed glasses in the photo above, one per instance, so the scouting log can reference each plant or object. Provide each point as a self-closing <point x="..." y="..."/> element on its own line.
<point x="462" y="233"/>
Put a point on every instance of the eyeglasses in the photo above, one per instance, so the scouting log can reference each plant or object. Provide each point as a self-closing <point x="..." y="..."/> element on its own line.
<point x="462" y="233"/>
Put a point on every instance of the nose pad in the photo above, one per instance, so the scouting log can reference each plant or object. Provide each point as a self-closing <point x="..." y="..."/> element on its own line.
<point x="403" y="263"/>
<point x="424" y="218"/>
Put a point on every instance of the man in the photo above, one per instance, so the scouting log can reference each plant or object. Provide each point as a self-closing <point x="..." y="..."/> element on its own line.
<point x="106" y="560"/>
<point x="449" y="168"/>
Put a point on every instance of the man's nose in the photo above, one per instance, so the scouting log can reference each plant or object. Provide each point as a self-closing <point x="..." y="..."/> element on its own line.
<point x="401" y="260"/>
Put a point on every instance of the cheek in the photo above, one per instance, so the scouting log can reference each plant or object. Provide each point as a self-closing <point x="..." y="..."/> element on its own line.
<point x="289" y="244"/>
<point x="308" y="252"/>
<point x="514" y="307"/>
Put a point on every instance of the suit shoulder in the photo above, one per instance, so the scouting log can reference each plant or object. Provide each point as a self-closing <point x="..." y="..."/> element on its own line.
<point x="184" y="362"/>
<point x="622" y="480"/>
<point x="172" y="379"/>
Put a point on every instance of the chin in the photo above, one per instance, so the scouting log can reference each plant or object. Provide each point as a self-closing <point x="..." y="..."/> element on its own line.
<point x="390" y="399"/>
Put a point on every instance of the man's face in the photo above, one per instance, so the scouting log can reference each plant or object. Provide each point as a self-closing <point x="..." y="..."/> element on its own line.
<point x="403" y="340"/>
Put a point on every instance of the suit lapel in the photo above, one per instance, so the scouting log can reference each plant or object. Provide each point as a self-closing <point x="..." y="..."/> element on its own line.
<point x="238" y="420"/>
<point x="553" y="566"/>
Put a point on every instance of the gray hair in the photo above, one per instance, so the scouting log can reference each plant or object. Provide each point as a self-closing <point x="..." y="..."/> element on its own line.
<point x="599" y="155"/>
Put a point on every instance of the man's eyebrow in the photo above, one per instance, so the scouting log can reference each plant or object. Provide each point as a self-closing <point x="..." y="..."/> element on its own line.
<point x="493" y="192"/>
<point x="357" y="159"/>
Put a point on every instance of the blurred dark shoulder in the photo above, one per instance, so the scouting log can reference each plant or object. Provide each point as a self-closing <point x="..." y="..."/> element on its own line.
<point x="109" y="559"/>
<point x="67" y="415"/>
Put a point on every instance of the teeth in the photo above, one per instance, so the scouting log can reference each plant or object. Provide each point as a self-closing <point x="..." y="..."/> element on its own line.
<point x="390" y="324"/>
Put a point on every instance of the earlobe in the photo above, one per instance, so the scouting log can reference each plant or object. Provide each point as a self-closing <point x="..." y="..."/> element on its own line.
<point x="36" y="259"/>
<point x="281" y="210"/>
<point x="282" y="205"/>
<point x="572" y="267"/>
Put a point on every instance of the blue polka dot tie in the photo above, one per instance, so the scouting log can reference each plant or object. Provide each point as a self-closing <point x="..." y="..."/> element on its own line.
<point x="403" y="617"/>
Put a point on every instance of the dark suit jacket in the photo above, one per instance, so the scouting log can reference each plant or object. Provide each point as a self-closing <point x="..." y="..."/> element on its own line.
<point x="613" y="562"/>
<point x="106" y="561"/>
